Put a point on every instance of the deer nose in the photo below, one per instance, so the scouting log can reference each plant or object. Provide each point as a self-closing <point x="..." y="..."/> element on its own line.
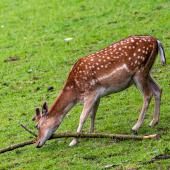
<point x="38" y="144"/>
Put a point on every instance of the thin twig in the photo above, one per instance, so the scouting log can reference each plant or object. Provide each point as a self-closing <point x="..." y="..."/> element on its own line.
<point x="28" y="130"/>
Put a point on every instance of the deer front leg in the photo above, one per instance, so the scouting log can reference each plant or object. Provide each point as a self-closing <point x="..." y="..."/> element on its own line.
<point x="143" y="85"/>
<point x="88" y="105"/>
<point x="93" y="115"/>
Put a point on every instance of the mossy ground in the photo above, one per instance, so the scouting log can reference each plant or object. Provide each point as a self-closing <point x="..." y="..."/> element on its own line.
<point x="34" y="31"/>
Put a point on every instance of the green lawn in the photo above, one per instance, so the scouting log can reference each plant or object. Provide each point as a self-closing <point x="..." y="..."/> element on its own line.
<point x="34" y="31"/>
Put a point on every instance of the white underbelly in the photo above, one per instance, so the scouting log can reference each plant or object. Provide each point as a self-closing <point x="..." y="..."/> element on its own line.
<point x="105" y="90"/>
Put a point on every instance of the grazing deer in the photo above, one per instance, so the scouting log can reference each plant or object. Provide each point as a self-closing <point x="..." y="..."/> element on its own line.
<point x="110" y="70"/>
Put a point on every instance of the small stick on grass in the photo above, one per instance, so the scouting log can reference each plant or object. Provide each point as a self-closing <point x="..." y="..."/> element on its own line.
<point x="157" y="158"/>
<point x="28" y="130"/>
<point x="80" y="135"/>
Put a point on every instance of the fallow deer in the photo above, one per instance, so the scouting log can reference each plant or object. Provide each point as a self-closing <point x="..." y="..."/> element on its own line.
<point x="109" y="70"/>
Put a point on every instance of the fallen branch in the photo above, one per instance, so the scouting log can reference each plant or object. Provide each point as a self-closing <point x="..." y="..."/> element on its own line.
<point x="97" y="135"/>
<point x="104" y="135"/>
<point x="19" y="145"/>
<point x="81" y="135"/>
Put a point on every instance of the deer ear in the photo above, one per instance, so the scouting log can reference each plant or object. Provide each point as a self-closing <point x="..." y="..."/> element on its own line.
<point x="38" y="114"/>
<point x="45" y="108"/>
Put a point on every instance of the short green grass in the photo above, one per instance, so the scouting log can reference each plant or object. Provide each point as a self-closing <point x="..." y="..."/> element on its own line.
<point x="34" y="30"/>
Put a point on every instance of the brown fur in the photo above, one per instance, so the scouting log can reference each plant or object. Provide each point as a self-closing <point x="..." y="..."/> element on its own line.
<point x="109" y="70"/>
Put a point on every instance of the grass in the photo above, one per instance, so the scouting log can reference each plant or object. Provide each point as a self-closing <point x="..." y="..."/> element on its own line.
<point x="34" y="31"/>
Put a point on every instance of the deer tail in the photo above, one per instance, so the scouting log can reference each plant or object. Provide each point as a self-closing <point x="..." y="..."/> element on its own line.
<point x="161" y="52"/>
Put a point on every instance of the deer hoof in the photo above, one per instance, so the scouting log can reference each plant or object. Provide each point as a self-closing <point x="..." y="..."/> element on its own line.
<point x="91" y="131"/>
<point x="73" y="142"/>
<point x="134" y="132"/>
<point x="153" y="123"/>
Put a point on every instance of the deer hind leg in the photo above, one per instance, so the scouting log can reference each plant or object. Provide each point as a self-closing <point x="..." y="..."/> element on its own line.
<point x="143" y="85"/>
<point x="157" y="96"/>
<point x="87" y="108"/>
<point x="93" y="115"/>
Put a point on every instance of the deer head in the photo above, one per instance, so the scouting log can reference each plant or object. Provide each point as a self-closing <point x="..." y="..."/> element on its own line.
<point x="46" y="125"/>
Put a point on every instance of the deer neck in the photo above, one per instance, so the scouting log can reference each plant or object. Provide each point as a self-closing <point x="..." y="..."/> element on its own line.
<point x="63" y="103"/>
